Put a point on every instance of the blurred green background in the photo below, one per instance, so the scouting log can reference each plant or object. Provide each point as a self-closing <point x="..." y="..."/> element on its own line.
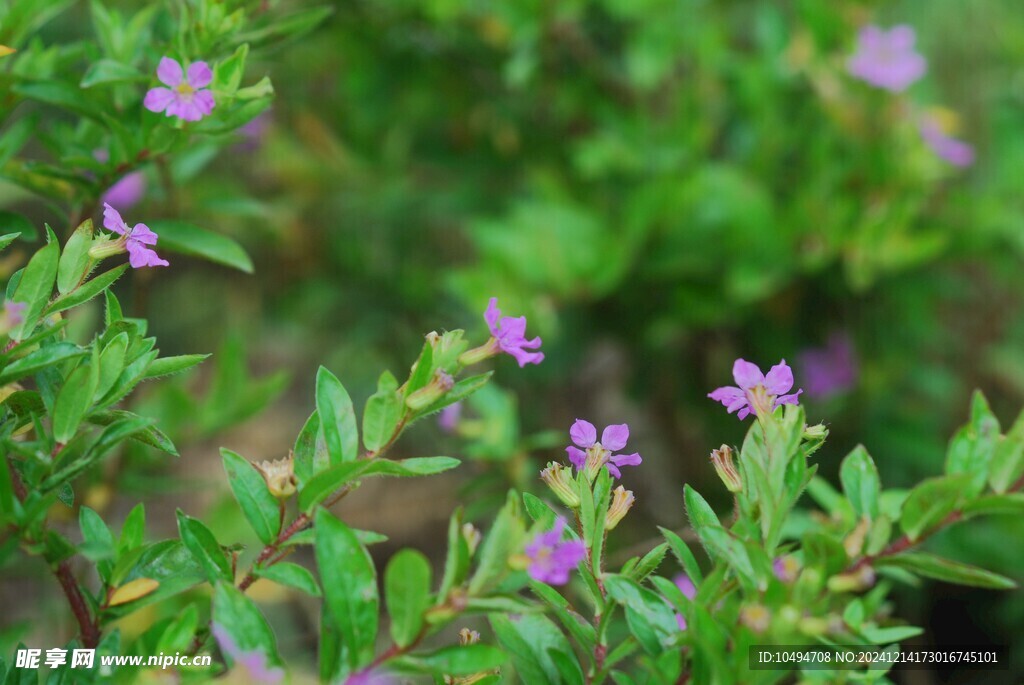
<point x="660" y="186"/>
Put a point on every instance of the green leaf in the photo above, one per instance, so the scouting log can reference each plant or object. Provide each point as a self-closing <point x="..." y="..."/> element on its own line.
<point x="133" y="532"/>
<point x="683" y="554"/>
<point x="292" y="575"/>
<point x="930" y="503"/>
<point x="460" y="391"/>
<point x="889" y="634"/>
<point x="861" y="482"/>
<point x="74" y="401"/>
<point x="239" y="617"/>
<point x="310" y="451"/>
<point x="1012" y="503"/>
<point x="931" y="566"/>
<point x="36" y="286"/>
<point x="105" y="71"/>
<point x="350" y="589"/>
<point x="1008" y="457"/>
<point x="320" y="486"/>
<point x="187" y="239"/>
<point x="456" y="660"/>
<point x="167" y="366"/>
<point x="456" y="564"/>
<point x="407" y="593"/>
<point x="503" y="540"/>
<point x="227" y="74"/>
<point x="650" y="618"/>
<point x="97" y="538"/>
<point x="261" y="508"/>
<point x="204" y="548"/>
<point x="7" y="239"/>
<point x="337" y="418"/>
<point x="17" y="225"/>
<point x="75" y="263"/>
<point x="971" y="449"/>
<point x="147" y="435"/>
<point x="383" y="411"/>
<point x="87" y="291"/>
<point x="528" y="640"/>
<point x="40" y="359"/>
<point x="62" y="95"/>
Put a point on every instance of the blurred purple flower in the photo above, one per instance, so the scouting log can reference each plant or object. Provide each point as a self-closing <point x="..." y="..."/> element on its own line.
<point x="186" y="97"/>
<point x="956" y="152"/>
<point x="254" y="661"/>
<point x="785" y="568"/>
<point x="448" y="418"/>
<point x="509" y="333"/>
<point x="689" y="591"/>
<point x="551" y="558"/>
<point x="14" y="313"/>
<point x="127" y="192"/>
<point x="370" y="677"/>
<point x="598" y="454"/>
<point x="757" y="393"/>
<point x="136" y="239"/>
<point x="886" y="59"/>
<point x="254" y="131"/>
<point x="831" y="369"/>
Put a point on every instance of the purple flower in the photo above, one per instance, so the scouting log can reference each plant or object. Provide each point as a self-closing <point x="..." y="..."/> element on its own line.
<point x="448" y="418"/>
<point x="254" y="131"/>
<point x="757" y="393"/>
<point x="186" y="97"/>
<point x="128" y="191"/>
<point x="785" y="568"/>
<point x="829" y="370"/>
<point x="551" y="558"/>
<point x="136" y="239"/>
<point x="886" y="59"/>
<point x="689" y="591"/>
<point x="598" y="454"/>
<point x="254" y="661"/>
<point x="956" y="152"/>
<point x="509" y="333"/>
<point x="370" y="677"/>
<point x="14" y="313"/>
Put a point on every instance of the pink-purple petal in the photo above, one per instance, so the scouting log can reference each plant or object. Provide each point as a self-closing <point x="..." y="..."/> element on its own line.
<point x="746" y="375"/>
<point x="199" y="75"/>
<point x="158" y="99"/>
<point x="204" y="101"/>
<point x="112" y="220"/>
<point x="491" y="315"/>
<point x="614" y="437"/>
<point x="727" y="394"/>
<point x="626" y="459"/>
<point x="577" y="457"/>
<point x="583" y="433"/>
<point x="788" y="399"/>
<point x="143" y="234"/>
<point x="169" y="72"/>
<point x="779" y="379"/>
<point x="141" y="256"/>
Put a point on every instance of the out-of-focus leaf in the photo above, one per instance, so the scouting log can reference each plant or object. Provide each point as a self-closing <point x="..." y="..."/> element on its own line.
<point x="190" y="240"/>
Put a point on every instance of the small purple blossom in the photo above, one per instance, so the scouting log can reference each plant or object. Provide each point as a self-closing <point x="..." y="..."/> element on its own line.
<point x="509" y="333"/>
<point x="551" y="558"/>
<point x="689" y="591"/>
<point x="448" y="418"/>
<point x="589" y="452"/>
<point x="785" y="568"/>
<point x="254" y="661"/>
<point x="370" y="677"/>
<point x="757" y="393"/>
<point x="887" y="59"/>
<point x="127" y="192"/>
<point x="136" y="239"/>
<point x="254" y="131"/>
<point x="14" y="313"/>
<point x="956" y="152"/>
<point x="831" y="369"/>
<point x="186" y="96"/>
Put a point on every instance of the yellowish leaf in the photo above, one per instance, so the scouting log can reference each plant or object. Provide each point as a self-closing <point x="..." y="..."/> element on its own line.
<point x="133" y="590"/>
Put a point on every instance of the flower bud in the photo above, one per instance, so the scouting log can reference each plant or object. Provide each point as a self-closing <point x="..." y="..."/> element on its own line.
<point x="106" y="247"/>
<point x="854" y="542"/>
<point x="816" y="432"/>
<point x="440" y="384"/>
<point x="756" y="617"/>
<point x="622" y="502"/>
<point x="559" y="479"/>
<point x="471" y="534"/>
<point x="726" y="469"/>
<point x="813" y="626"/>
<point x="479" y="354"/>
<point x="279" y="475"/>
<point x="854" y="581"/>
<point x="468" y="637"/>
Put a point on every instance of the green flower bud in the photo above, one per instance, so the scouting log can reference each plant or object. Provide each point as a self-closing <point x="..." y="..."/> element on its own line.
<point x="559" y="479"/>
<point x="438" y="386"/>
<point x="726" y="469"/>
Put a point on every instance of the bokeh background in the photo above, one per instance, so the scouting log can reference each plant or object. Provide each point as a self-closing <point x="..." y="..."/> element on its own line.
<point x="660" y="186"/>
